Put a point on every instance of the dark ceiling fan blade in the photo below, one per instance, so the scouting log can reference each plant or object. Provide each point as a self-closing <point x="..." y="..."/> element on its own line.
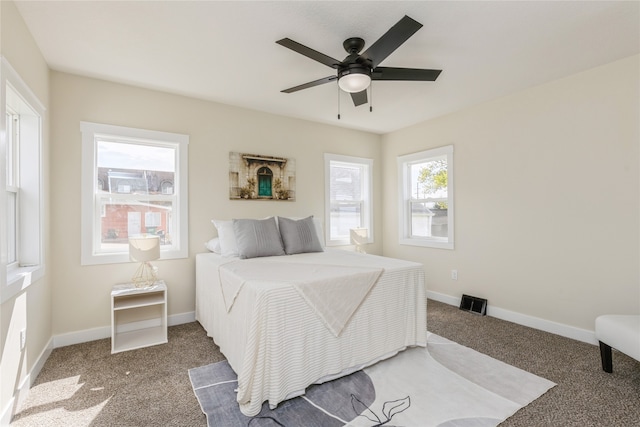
<point x="391" y="40"/>
<point x="309" y="53"/>
<point x="359" y="98"/>
<point x="311" y="84"/>
<point x="411" y="74"/>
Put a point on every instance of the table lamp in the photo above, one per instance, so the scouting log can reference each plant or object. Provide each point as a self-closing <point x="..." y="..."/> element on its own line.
<point x="144" y="249"/>
<point x="359" y="237"/>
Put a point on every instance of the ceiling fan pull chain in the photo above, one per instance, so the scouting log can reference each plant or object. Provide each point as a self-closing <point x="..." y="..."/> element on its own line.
<point x="338" y="101"/>
<point x="371" y="98"/>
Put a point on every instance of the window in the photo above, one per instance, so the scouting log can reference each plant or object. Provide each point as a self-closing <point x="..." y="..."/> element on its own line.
<point x="22" y="203"/>
<point x="134" y="182"/>
<point x="426" y="204"/>
<point x="348" y="199"/>
<point x="12" y="183"/>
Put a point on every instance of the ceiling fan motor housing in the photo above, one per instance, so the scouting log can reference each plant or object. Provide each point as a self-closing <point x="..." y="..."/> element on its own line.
<point x="354" y="69"/>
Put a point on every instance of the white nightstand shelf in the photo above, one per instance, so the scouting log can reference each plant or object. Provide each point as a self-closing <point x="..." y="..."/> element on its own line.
<point x="138" y="316"/>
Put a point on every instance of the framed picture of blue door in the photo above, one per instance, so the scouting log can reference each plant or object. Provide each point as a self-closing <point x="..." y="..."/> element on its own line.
<point x="265" y="181"/>
<point x="261" y="177"/>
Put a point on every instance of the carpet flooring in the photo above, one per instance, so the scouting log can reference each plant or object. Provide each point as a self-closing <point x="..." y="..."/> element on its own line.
<point x="84" y="385"/>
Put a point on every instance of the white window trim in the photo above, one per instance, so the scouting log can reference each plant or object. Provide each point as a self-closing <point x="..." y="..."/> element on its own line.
<point x="368" y="215"/>
<point x="89" y="131"/>
<point x="404" y="192"/>
<point x="18" y="278"/>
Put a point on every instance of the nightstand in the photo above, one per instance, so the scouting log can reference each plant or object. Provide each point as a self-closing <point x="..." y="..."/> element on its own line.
<point x="138" y="316"/>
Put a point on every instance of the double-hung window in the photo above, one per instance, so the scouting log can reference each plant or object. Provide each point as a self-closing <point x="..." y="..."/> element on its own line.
<point x="12" y="183"/>
<point x="348" y="194"/>
<point x="426" y="198"/>
<point x="134" y="182"/>
<point x="22" y="219"/>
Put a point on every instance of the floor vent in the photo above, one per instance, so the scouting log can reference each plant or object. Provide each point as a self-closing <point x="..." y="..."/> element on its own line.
<point x="474" y="304"/>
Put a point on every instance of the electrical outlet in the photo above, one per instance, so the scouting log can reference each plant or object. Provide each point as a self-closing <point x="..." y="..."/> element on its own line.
<point x="23" y="339"/>
<point x="454" y="274"/>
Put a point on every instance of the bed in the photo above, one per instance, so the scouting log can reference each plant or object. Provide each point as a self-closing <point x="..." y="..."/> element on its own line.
<point x="269" y="316"/>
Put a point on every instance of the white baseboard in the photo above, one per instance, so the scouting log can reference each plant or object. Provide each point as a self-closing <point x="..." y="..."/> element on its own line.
<point x="78" y="337"/>
<point x="87" y="335"/>
<point x="180" y="319"/>
<point x="23" y="389"/>
<point x="525" y="320"/>
<point x="7" y="413"/>
<point x="447" y="299"/>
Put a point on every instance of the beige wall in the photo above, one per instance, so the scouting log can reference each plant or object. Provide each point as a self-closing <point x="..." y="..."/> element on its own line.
<point x="81" y="294"/>
<point x="30" y="309"/>
<point x="546" y="196"/>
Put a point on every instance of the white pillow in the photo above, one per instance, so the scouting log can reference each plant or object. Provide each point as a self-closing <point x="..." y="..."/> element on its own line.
<point x="214" y="245"/>
<point x="318" y="223"/>
<point x="228" y="245"/>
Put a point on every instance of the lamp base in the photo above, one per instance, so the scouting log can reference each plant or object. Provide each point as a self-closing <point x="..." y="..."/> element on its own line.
<point x="360" y="249"/>
<point x="145" y="276"/>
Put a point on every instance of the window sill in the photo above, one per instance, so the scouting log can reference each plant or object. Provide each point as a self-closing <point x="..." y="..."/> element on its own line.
<point x="19" y="279"/>
<point x="346" y="242"/>
<point x="123" y="257"/>
<point x="427" y="243"/>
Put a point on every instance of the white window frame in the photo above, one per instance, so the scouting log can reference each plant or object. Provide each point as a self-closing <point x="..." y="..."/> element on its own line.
<point x="405" y="198"/>
<point x="27" y="173"/>
<point x="367" y="191"/>
<point x="92" y="213"/>
<point x="13" y="187"/>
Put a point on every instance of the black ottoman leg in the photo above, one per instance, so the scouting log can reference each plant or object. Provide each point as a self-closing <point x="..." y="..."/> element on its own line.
<point x="605" y="355"/>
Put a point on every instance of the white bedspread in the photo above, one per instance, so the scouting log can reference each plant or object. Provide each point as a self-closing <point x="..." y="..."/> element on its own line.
<point x="333" y="292"/>
<point x="278" y="346"/>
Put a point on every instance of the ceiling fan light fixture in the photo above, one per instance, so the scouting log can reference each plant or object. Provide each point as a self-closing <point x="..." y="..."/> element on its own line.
<point x="354" y="82"/>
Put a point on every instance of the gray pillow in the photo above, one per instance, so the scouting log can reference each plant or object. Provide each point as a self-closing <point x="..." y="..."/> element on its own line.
<point x="257" y="237"/>
<point x="299" y="236"/>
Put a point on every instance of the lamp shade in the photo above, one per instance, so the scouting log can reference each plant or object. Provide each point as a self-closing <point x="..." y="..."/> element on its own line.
<point x="354" y="82"/>
<point x="359" y="236"/>
<point x="144" y="248"/>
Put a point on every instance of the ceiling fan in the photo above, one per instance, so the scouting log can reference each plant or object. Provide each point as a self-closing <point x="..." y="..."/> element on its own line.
<point x="356" y="71"/>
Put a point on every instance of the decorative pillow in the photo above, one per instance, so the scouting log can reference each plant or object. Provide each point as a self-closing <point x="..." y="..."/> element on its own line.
<point x="299" y="236"/>
<point x="214" y="245"/>
<point x="257" y="237"/>
<point x="318" y="227"/>
<point x="228" y="244"/>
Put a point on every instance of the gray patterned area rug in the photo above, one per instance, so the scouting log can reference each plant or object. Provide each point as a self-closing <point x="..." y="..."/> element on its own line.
<point x="445" y="385"/>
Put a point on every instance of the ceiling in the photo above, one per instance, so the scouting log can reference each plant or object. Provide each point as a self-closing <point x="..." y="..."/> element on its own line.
<point x="225" y="51"/>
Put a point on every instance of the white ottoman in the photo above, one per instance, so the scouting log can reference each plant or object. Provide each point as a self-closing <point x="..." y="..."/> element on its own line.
<point x="618" y="331"/>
